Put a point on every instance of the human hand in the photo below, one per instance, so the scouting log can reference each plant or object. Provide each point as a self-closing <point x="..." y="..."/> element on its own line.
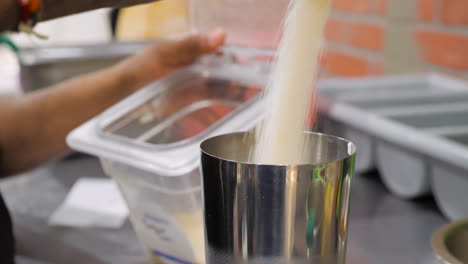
<point x="166" y="57"/>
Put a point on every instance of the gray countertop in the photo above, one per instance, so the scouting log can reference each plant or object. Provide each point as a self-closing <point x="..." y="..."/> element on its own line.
<point x="383" y="229"/>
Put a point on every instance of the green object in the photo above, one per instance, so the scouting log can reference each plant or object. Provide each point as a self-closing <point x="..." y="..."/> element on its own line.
<point x="4" y="39"/>
<point x="317" y="173"/>
<point x="310" y="228"/>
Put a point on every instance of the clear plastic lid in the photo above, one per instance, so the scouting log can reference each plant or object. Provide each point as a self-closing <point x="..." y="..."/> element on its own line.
<point x="189" y="107"/>
<point x="160" y="127"/>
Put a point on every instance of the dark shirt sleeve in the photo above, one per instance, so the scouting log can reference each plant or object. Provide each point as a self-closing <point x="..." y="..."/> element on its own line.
<point x="7" y="245"/>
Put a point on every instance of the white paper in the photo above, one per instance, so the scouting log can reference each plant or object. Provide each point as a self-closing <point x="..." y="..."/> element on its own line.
<point x="92" y="203"/>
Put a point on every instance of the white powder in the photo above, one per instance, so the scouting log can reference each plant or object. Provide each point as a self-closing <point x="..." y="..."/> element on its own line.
<point x="192" y="224"/>
<point x="280" y="138"/>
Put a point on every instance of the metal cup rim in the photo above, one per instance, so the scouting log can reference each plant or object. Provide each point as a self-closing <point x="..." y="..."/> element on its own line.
<point x="351" y="151"/>
<point x="439" y="238"/>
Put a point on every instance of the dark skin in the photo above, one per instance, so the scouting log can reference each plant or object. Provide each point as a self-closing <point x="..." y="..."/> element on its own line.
<point x="33" y="127"/>
<point x="50" y="9"/>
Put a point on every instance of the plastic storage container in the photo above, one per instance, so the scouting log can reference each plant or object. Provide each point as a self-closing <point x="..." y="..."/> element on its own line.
<point x="149" y="143"/>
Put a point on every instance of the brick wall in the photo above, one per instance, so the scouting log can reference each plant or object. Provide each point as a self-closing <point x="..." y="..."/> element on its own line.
<point x="375" y="37"/>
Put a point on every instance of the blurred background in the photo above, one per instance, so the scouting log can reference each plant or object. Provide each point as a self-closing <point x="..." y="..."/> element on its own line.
<point x="364" y="37"/>
<point x="390" y="222"/>
<point x="375" y="37"/>
<point x="378" y="35"/>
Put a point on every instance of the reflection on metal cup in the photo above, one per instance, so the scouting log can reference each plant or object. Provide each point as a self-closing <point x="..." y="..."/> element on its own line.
<point x="256" y="213"/>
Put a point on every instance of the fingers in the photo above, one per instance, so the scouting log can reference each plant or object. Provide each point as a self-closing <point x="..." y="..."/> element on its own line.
<point x="200" y="44"/>
<point x="216" y="39"/>
<point x="164" y="58"/>
<point x="187" y="50"/>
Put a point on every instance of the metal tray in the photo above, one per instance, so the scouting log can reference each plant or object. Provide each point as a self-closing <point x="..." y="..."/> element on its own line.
<point x="45" y="66"/>
<point x="396" y="100"/>
<point x="395" y="162"/>
<point x="416" y="137"/>
<point x="363" y="93"/>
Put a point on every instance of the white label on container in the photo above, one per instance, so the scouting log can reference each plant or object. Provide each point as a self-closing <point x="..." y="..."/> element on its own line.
<point x="164" y="236"/>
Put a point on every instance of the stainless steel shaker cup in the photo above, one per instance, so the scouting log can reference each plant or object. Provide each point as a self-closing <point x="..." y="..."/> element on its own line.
<point x="276" y="213"/>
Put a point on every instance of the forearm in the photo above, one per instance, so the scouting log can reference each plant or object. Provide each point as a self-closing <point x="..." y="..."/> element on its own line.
<point x="50" y="9"/>
<point x="57" y="8"/>
<point x="35" y="126"/>
<point x="9" y="15"/>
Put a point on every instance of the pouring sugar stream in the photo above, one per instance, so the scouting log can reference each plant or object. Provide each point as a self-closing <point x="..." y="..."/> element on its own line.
<point x="280" y="138"/>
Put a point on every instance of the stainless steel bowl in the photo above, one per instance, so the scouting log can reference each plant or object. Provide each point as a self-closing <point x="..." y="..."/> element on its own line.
<point x="450" y="243"/>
